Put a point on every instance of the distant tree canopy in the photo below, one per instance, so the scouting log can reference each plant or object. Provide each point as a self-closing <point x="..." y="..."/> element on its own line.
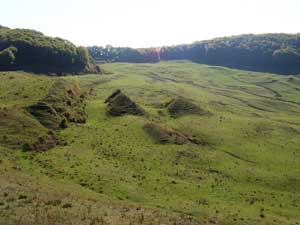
<point x="31" y="50"/>
<point x="112" y="54"/>
<point x="277" y="53"/>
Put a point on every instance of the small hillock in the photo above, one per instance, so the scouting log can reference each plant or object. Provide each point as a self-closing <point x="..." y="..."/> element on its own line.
<point x="18" y="128"/>
<point x="64" y="103"/>
<point x="119" y="104"/>
<point x="180" y="107"/>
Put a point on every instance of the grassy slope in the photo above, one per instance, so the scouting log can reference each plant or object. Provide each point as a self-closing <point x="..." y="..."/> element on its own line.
<point x="248" y="174"/>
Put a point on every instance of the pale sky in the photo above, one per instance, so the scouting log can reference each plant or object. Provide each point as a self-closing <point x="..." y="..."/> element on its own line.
<point x="146" y="23"/>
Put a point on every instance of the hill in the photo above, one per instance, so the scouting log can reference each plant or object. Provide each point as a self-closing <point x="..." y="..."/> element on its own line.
<point x="22" y="49"/>
<point x="2" y="27"/>
<point x="276" y="53"/>
<point x="231" y="157"/>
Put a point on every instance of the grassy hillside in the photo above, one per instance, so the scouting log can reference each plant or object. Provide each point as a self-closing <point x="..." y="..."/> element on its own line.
<point x="243" y="168"/>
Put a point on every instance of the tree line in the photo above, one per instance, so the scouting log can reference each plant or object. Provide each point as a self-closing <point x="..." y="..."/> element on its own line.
<point x="31" y="50"/>
<point x="277" y="53"/>
<point x="120" y="54"/>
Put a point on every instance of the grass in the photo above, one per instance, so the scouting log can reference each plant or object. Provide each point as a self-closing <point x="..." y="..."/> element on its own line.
<point x="247" y="173"/>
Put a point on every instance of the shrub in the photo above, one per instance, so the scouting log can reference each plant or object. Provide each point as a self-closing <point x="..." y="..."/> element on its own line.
<point x="7" y="57"/>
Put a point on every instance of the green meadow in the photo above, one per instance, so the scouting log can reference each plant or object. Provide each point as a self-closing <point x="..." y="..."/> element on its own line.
<point x="110" y="171"/>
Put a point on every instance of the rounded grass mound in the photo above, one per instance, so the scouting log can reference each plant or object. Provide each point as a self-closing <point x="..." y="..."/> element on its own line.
<point x="180" y="107"/>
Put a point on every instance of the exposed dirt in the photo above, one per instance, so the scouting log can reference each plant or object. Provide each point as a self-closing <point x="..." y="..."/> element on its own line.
<point x="119" y="104"/>
<point x="180" y="106"/>
<point x="164" y="135"/>
<point x="46" y="115"/>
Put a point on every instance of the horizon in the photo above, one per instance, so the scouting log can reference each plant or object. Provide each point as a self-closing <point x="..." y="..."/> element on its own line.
<point x="144" y="24"/>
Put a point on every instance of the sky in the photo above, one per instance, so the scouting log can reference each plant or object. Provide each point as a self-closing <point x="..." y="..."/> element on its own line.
<point x="150" y="23"/>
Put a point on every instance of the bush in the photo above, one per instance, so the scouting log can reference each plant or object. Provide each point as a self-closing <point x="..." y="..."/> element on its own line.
<point x="7" y="57"/>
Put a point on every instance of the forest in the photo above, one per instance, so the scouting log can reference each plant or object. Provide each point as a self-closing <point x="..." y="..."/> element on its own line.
<point x="276" y="53"/>
<point x="22" y="49"/>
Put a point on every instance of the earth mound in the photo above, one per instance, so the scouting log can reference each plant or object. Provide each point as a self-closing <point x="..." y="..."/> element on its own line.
<point x="164" y="135"/>
<point x="180" y="107"/>
<point x="119" y="104"/>
<point x="46" y="115"/>
<point x="20" y="129"/>
<point x="64" y="103"/>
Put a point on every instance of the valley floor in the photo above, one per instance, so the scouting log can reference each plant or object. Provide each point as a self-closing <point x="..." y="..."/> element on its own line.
<point x="110" y="171"/>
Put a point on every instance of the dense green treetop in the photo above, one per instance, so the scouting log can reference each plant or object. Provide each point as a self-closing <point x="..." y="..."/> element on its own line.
<point x="37" y="52"/>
